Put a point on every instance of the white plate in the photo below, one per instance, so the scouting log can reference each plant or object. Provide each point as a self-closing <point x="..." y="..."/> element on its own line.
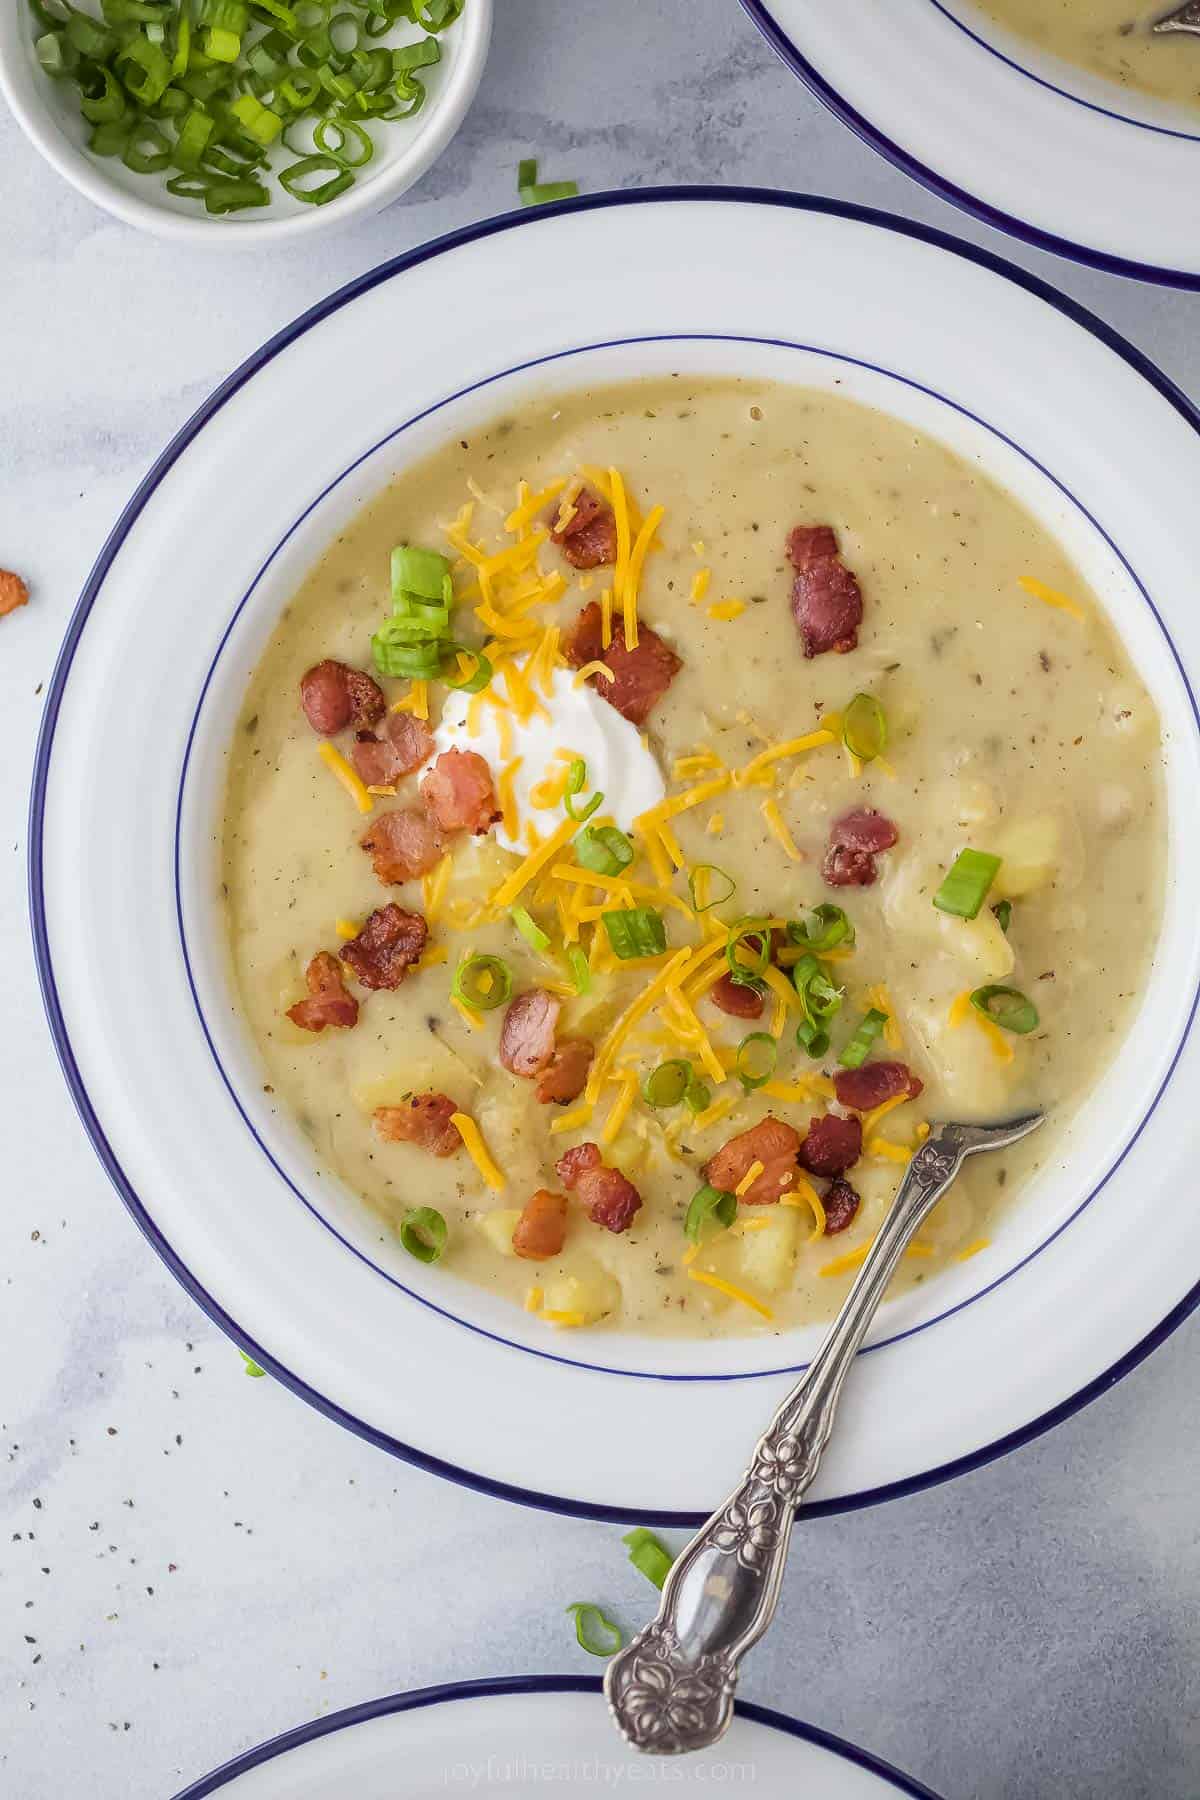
<point x="1051" y="153"/>
<point x="1097" y="1260"/>
<point x="537" y="1733"/>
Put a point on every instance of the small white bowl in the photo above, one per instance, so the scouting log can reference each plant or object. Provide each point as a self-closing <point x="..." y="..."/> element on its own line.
<point x="48" y="113"/>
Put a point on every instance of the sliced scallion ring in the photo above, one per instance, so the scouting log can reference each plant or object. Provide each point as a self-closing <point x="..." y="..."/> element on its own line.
<point x="756" y="1057"/>
<point x="864" y="728"/>
<point x="576" y="778"/>
<point x="828" y="927"/>
<point x="533" y="934"/>
<point x="581" y="973"/>
<point x="423" y="1233"/>
<point x="965" y="887"/>
<point x="1003" y="912"/>
<point x="635" y="931"/>
<point x="1007" y="1007"/>
<point x="705" y="887"/>
<point x="603" y="849"/>
<point x="667" y="1085"/>
<point x="697" y="1096"/>
<point x="648" y="1555"/>
<point x="594" y="1630"/>
<point x="747" y="967"/>
<point x="482" y="982"/>
<point x="859" y="1046"/>
<point x="476" y="681"/>
<point x="710" y="1210"/>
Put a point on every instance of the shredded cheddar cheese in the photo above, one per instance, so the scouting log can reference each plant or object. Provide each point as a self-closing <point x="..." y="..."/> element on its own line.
<point x="506" y="797"/>
<point x="1051" y="596"/>
<point x="593" y="668"/>
<point x="466" y="1014"/>
<point x="879" y="997"/>
<point x="850" y="1259"/>
<point x="477" y="1150"/>
<point x="416" y="701"/>
<point x="735" y="1293"/>
<point x="775" y="825"/>
<point x="700" y="581"/>
<point x="531" y="505"/>
<point x="716" y="824"/>
<point x="756" y="768"/>
<point x="433" y="887"/>
<point x="962" y="1010"/>
<point x="533" y="1300"/>
<point x="347" y="929"/>
<point x="973" y="1249"/>
<point x="727" y="610"/>
<point x="886" y="1151"/>
<point x="748" y="1179"/>
<point x="633" y="577"/>
<point x="563" y="1318"/>
<point x="619" y="1111"/>
<point x="337" y="765"/>
<point x="606" y="603"/>
<point x="534" y="863"/>
<point x="572" y="1121"/>
<point x="803" y="1193"/>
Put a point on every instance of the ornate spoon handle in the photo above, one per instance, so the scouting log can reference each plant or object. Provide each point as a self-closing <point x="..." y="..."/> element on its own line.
<point x="671" y="1689"/>
<point x="1184" y="18"/>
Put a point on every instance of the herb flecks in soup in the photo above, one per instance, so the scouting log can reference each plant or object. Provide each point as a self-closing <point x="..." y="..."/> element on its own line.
<point x="1110" y="38"/>
<point x="651" y="814"/>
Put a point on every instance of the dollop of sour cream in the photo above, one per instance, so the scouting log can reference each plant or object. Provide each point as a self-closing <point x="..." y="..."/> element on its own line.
<point x="618" y="763"/>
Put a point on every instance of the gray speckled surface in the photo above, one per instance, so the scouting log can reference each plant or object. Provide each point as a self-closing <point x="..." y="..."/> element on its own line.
<point x="190" y="1561"/>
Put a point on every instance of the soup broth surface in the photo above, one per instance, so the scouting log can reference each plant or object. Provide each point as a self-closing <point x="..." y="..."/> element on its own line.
<point x="1111" y="38"/>
<point x="1016" y="726"/>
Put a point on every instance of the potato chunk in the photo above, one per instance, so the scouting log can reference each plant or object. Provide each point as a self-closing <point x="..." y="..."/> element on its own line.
<point x="498" y="1226"/>
<point x="590" y="1294"/>
<point x="1030" y="850"/>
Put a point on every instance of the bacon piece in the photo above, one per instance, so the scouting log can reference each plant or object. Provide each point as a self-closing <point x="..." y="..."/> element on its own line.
<point x="403" y="746"/>
<point x="736" y="999"/>
<point x="832" y="1146"/>
<point x="458" y="792"/>
<point x="871" y="1084"/>
<point x="640" y="677"/>
<point x="423" y="1119"/>
<point x="589" y="538"/>
<point x="565" y="1076"/>
<point x="328" y="1002"/>
<point x="607" y="1197"/>
<point x="542" y="1227"/>
<point x="770" y="1142"/>
<point x="826" y="598"/>
<point x="13" y="592"/>
<point x="841" y="1203"/>
<point x="333" y="696"/>
<point x="527" y="1035"/>
<point x="402" y="844"/>
<point x="855" y="840"/>
<point x="386" y="948"/>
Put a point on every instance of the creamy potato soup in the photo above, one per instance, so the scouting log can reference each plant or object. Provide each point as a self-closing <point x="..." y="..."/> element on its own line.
<point x="794" y="793"/>
<point x="1112" y="38"/>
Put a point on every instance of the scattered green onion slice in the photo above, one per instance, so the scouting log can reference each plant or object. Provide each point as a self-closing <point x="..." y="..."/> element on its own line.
<point x="667" y="1085"/>
<point x="527" y="172"/>
<point x="813" y="1038"/>
<point x="482" y="982"/>
<point x="864" y="728"/>
<point x="965" y="887"/>
<point x="576" y="778"/>
<point x="648" y="1556"/>
<point x="1007" y="1007"/>
<point x="635" y="931"/>
<point x="581" y="974"/>
<point x="299" y="180"/>
<point x="1003" y="912"/>
<point x="712" y="878"/>
<point x="420" y="572"/>
<point x="423" y="1233"/>
<point x="476" y="681"/>
<point x="252" y="1367"/>
<point x="756" y="1057"/>
<point x="858" y="1047"/>
<point x="819" y="994"/>
<point x="709" y="1206"/>
<point x="755" y="934"/>
<point x="594" y="1630"/>
<point x="533" y="934"/>
<point x="827" y="927"/>
<point x="533" y="192"/>
<point x="603" y="849"/>
<point x="698" y="1095"/>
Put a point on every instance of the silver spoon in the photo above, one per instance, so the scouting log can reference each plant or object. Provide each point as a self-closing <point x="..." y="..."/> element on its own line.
<point x="1184" y="18"/>
<point x="671" y="1689"/>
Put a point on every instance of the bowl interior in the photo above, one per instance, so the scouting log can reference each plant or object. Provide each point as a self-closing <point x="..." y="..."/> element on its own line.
<point x="294" y="533"/>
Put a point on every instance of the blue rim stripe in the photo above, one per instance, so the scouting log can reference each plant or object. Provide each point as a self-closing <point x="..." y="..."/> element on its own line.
<point x="985" y="259"/>
<point x="491" y="1687"/>
<point x="946" y="189"/>
<point x="1105" y="112"/>
<point x="573" y="1362"/>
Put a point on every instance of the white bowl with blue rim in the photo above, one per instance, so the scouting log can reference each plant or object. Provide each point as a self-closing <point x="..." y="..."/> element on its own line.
<point x="1025" y="142"/>
<point x="47" y="110"/>
<point x="1096" y="1261"/>
<point x="549" y="1732"/>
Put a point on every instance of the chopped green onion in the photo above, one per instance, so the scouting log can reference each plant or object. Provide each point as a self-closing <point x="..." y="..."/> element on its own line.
<point x="423" y="1233"/>
<point x="345" y="140"/>
<point x="417" y="56"/>
<point x="709" y="1206"/>
<point x="147" y="149"/>
<point x="252" y="1367"/>
<point x="864" y="728"/>
<point x="262" y="124"/>
<point x="54" y="53"/>
<point x="1007" y="1007"/>
<point x="667" y="1085"/>
<point x="424" y="573"/>
<point x="648" y="1556"/>
<point x="965" y="887"/>
<point x="594" y="1631"/>
<point x="812" y="1037"/>
<point x="482" y="982"/>
<point x="756" y="1058"/>
<point x="234" y="196"/>
<point x="820" y="1001"/>
<point x="756" y="935"/>
<point x="698" y="1096"/>
<point x="477" y="680"/>
<point x="635" y="931"/>
<point x="105" y="101"/>
<point x="700" y="890"/>
<point x="527" y="172"/>
<point x="434" y="15"/>
<point x="603" y="849"/>
<point x="576" y="777"/>
<point x="193" y="138"/>
<point x="856" y="1051"/>
<point x="1003" y="912"/>
<point x="581" y="974"/>
<point x="298" y="180"/>
<point x="827" y="928"/>
<point x="395" y="655"/>
<point x="543" y="192"/>
<point x="533" y="934"/>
